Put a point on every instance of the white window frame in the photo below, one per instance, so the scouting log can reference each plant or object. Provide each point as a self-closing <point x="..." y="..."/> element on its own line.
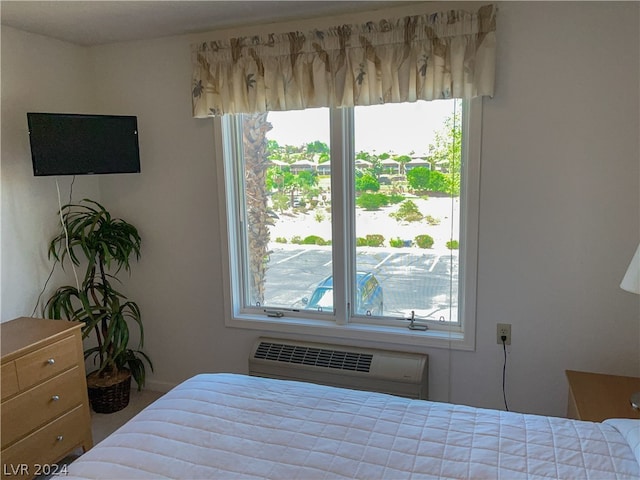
<point x="336" y="326"/>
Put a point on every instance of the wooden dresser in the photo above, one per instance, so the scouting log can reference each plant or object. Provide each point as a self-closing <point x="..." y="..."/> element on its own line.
<point x="45" y="408"/>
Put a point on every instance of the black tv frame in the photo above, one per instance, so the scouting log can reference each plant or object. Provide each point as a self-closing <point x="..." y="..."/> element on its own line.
<point x="83" y="144"/>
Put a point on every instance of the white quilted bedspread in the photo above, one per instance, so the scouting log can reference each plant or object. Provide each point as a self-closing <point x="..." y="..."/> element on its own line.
<point x="234" y="426"/>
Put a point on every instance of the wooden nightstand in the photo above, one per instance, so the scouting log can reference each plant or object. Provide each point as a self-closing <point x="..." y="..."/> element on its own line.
<point x="596" y="397"/>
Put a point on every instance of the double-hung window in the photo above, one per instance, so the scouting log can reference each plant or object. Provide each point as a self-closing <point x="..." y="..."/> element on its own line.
<point x="353" y="222"/>
<point x="348" y="163"/>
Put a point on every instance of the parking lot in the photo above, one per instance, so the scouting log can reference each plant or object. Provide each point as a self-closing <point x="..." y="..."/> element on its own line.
<point x="411" y="278"/>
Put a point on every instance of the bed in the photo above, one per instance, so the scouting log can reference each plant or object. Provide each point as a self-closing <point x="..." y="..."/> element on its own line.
<point x="235" y="426"/>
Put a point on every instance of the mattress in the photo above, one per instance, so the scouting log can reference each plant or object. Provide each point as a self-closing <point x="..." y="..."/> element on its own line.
<point x="234" y="426"/>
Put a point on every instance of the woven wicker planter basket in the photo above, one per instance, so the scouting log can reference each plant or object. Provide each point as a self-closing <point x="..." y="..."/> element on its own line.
<point x="109" y="398"/>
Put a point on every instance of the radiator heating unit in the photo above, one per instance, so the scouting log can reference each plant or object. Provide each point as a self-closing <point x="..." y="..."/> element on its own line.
<point x="386" y="371"/>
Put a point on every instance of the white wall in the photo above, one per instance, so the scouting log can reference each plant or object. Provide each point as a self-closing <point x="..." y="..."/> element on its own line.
<point x="38" y="75"/>
<point x="559" y="209"/>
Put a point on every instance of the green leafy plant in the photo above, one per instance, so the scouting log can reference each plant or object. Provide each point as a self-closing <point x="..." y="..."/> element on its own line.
<point x="375" y="240"/>
<point x="396" y="242"/>
<point x="408" y="211"/>
<point x="367" y="182"/>
<point x="106" y="244"/>
<point x="395" y="198"/>
<point x="432" y="220"/>
<point x="424" y="241"/>
<point x="372" y="201"/>
<point x="418" y="178"/>
<point x="453" y="245"/>
<point x="314" y="240"/>
<point x="361" y="242"/>
<point x="280" y="201"/>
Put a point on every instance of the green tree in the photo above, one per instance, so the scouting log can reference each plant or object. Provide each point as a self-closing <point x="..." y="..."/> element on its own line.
<point x="445" y="151"/>
<point x="317" y="147"/>
<point x="306" y="179"/>
<point x="402" y="160"/>
<point x="418" y="178"/>
<point x="273" y="150"/>
<point x="280" y="201"/>
<point x="438" y="182"/>
<point x="376" y="165"/>
<point x="305" y="182"/>
<point x="423" y="179"/>
<point x="280" y="179"/>
<point x="367" y="183"/>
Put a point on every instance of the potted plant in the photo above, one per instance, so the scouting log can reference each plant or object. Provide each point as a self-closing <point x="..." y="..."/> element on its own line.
<point x="107" y="244"/>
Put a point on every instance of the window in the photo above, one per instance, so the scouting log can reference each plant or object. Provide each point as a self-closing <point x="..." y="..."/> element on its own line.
<point x="355" y="222"/>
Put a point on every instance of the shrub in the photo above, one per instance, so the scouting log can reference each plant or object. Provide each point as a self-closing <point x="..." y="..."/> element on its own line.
<point x="297" y="240"/>
<point x="367" y="182"/>
<point x="424" y="241"/>
<point x="423" y="179"/>
<point x="432" y="220"/>
<point x="372" y="201"/>
<point x="408" y="211"/>
<point x="396" y="242"/>
<point x="418" y="178"/>
<point x="280" y="201"/>
<point x="319" y="217"/>
<point x="453" y="245"/>
<point x="281" y="240"/>
<point x="361" y="242"/>
<point x="395" y="198"/>
<point x="438" y="182"/>
<point x="314" y="240"/>
<point x="375" y="240"/>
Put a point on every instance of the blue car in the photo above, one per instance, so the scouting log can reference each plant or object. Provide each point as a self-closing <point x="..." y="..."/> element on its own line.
<point x="368" y="296"/>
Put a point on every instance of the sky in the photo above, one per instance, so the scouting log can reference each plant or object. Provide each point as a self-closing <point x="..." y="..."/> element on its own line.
<point x="392" y="128"/>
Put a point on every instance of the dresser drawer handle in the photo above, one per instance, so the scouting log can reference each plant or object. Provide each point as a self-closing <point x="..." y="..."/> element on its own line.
<point x="59" y="438"/>
<point x="55" y="398"/>
<point x="51" y="361"/>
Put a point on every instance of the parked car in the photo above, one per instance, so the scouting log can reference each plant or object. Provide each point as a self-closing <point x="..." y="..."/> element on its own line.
<point x="369" y="298"/>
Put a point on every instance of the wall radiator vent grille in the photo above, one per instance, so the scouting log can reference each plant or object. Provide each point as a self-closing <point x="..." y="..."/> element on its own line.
<point x="376" y="370"/>
<point x="318" y="357"/>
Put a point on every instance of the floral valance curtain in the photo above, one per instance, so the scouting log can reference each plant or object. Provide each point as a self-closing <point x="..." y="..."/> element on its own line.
<point x="422" y="57"/>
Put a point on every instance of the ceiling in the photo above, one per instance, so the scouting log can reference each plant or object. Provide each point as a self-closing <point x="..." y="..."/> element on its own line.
<point x="101" y="22"/>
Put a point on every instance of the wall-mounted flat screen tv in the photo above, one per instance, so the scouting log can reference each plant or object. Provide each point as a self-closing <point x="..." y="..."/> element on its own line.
<point x="76" y="144"/>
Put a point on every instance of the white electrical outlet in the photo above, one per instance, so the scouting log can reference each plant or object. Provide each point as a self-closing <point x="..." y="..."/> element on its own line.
<point x="503" y="329"/>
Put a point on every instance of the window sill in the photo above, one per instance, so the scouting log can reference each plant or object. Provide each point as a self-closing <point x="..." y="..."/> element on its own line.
<point x="393" y="336"/>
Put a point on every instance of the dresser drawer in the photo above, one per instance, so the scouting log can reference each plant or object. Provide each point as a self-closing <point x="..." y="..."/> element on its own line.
<point x="46" y="362"/>
<point x="48" y="444"/>
<point x="9" y="380"/>
<point x="38" y="405"/>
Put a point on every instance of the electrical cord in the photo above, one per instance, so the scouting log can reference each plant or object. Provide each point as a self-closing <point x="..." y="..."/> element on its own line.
<point x="66" y="234"/>
<point x="35" y="307"/>
<point x="44" y="288"/>
<point x="504" y="372"/>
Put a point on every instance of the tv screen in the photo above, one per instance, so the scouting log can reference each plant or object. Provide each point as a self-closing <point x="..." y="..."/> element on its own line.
<point x="75" y="144"/>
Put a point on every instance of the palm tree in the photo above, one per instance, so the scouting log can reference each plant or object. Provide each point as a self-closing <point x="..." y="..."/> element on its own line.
<point x="254" y="140"/>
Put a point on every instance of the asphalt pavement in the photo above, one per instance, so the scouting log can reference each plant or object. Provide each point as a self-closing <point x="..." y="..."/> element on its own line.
<point x="415" y="279"/>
